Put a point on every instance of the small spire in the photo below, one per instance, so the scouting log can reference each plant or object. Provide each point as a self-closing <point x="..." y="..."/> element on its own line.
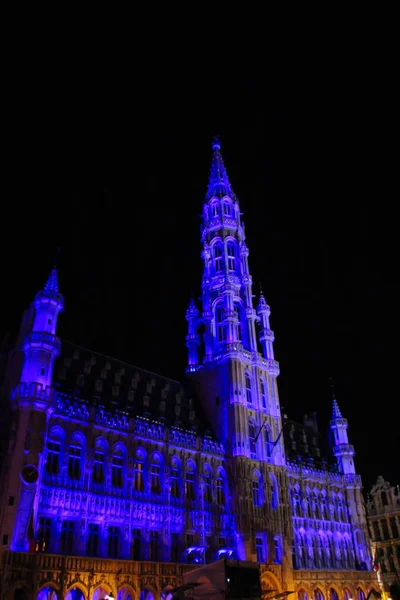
<point x="52" y="282"/>
<point x="192" y="308"/>
<point x="218" y="184"/>
<point x="336" y="414"/>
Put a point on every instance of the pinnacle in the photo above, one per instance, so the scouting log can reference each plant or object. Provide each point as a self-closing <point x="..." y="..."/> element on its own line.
<point x="52" y="282"/>
<point x="336" y="414"/>
<point x="218" y="184"/>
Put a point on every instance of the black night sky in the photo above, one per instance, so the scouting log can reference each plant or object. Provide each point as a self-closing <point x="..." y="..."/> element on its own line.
<point x="110" y="162"/>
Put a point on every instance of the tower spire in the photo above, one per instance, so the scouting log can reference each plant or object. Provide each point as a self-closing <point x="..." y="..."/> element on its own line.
<point x="51" y="284"/>
<point x="336" y="412"/>
<point x="218" y="184"/>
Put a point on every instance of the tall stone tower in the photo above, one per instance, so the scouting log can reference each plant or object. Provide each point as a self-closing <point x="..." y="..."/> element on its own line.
<point x="344" y="453"/>
<point x="31" y="407"/>
<point x="235" y="372"/>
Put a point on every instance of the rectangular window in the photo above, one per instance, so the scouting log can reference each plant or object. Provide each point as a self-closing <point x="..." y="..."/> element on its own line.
<point x="260" y="549"/>
<point x="113" y="541"/>
<point x="11" y="501"/>
<point x="385" y="529"/>
<point x="174" y="547"/>
<point x="218" y="258"/>
<point x="67" y="536"/>
<point x="43" y="537"/>
<point x="231" y="256"/>
<point x="174" y="482"/>
<point x="139" y="481"/>
<point x="53" y="458"/>
<point x="92" y="545"/>
<point x="219" y="486"/>
<point x="393" y="527"/>
<point x="74" y="462"/>
<point x="256" y="493"/>
<point x="5" y="539"/>
<point x="189" y="486"/>
<point x="154" y="545"/>
<point x="277" y="551"/>
<point x="377" y="533"/>
<point x="207" y="487"/>
<point x="98" y="471"/>
<point x="116" y="471"/>
<point x="155" y="479"/>
<point x="136" y="543"/>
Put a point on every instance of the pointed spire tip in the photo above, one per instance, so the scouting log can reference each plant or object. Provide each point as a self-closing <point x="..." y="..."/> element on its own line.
<point x="216" y="144"/>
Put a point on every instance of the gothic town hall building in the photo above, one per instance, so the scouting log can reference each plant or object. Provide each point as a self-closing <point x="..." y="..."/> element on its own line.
<point x="109" y="484"/>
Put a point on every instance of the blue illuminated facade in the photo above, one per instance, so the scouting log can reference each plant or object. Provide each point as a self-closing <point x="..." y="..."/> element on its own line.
<point x="109" y="461"/>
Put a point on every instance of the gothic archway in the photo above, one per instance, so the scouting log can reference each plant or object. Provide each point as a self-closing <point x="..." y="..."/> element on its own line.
<point x="47" y="593"/>
<point x="75" y="593"/>
<point x="318" y="595"/>
<point x="270" y="582"/>
<point x="147" y="594"/>
<point x="101" y="592"/>
<point x="126" y="593"/>
<point x="20" y="593"/>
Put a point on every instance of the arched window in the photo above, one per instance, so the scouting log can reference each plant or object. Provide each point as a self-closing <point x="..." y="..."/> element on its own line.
<point x="302" y="595"/>
<point x="249" y="396"/>
<point x="117" y="462"/>
<point x="155" y="474"/>
<point x="360" y="594"/>
<point x="317" y="512"/>
<point x="220" y="325"/>
<point x="384" y="499"/>
<point x="75" y="458"/>
<point x="346" y="594"/>
<point x="274" y="492"/>
<point x="138" y="468"/>
<point x="252" y="437"/>
<point x="227" y="208"/>
<point x="218" y="257"/>
<point x="257" y="489"/>
<point x="175" y="491"/>
<point x="318" y="595"/>
<point x="230" y="249"/>
<point x="263" y="393"/>
<point x="220" y="488"/>
<point x="333" y="594"/>
<point x="215" y="209"/>
<point x="207" y="484"/>
<point x="236" y="308"/>
<point x="189" y="480"/>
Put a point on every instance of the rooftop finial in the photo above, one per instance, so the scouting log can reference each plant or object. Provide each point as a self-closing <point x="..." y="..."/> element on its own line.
<point x="218" y="184"/>
<point x="56" y="257"/>
<point x="216" y="144"/>
<point x="336" y="413"/>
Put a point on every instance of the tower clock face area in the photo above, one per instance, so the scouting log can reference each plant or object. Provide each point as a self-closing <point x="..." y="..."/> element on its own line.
<point x="29" y="474"/>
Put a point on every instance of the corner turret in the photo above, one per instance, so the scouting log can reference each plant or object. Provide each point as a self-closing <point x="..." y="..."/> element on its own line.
<point x="266" y="336"/>
<point x="343" y="451"/>
<point x="41" y="346"/>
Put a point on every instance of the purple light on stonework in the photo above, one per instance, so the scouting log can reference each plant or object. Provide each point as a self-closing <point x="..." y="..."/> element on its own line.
<point x="52" y="282"/>
<point x="218" y="183"/>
